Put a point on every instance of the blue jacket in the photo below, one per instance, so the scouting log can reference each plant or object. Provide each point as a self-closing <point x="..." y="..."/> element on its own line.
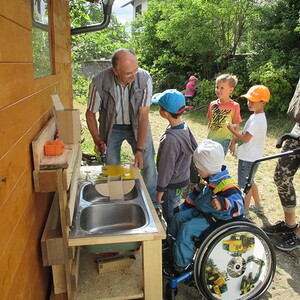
<point x="227" y="192"/>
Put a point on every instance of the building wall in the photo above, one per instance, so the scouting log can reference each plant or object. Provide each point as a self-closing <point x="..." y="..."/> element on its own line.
<point x="25" y="107"/>
<point x="143" y="3"/>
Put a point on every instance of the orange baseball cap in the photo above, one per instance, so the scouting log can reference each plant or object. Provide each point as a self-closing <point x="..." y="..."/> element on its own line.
<point x="258" y="93"/>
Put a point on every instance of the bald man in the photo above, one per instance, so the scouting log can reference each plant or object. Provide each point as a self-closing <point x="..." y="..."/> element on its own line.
<point x="121" y="94"/>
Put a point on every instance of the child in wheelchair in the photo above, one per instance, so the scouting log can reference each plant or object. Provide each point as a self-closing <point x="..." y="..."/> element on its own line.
<point x="216" y="197"/>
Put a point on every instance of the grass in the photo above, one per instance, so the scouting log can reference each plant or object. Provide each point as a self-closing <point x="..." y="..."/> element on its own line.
<point x="277" y="126"/>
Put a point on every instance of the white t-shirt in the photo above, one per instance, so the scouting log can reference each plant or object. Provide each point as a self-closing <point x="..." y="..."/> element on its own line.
<point x="256" y="125"/>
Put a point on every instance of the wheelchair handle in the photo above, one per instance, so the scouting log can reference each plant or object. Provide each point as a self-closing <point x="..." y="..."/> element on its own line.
<point x="250" y="177"/>
<point x="287" y="136"/>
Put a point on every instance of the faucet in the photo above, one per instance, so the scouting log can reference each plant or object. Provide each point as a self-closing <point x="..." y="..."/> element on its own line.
<point x="87" y="176"/>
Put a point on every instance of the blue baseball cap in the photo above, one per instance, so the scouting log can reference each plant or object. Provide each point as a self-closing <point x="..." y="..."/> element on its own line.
<point x="171" y="100"/>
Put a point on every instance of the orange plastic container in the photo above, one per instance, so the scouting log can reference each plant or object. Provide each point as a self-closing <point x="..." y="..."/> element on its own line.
<point x="52" y="148"/>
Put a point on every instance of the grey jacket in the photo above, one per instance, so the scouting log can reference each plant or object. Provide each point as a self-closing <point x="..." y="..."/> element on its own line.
<point x="174" y="157"/>
<point x="105" y="82"/>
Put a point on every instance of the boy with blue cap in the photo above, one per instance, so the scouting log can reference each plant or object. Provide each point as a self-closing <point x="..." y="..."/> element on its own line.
<point x="175" y="151"/>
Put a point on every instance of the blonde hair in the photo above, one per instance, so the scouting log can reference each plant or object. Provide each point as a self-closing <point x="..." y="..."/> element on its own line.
<point x="231" y="79"/>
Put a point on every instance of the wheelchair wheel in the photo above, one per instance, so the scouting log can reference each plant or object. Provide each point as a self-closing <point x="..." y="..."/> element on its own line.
<point x="235" y="261"/>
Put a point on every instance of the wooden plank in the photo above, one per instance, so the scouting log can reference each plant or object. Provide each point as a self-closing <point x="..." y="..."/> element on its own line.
<point x="45" y="181"/>
<point x="52" y="224"/>
<point x="73" y="188"/>
<point x="24" y="112"/>
<point x="54" y="247"/>
<point x="17" y="11"/>
<point x="11" y="76"/>
<point x="62" y="200"/>
<point x="68" y="173"/>
<point x="16" y="35"/>
<point x="46" y="134"/>
<point x="59" y="279"/>
<point x="75" y="269"/>
<point x="152" y="270"/>
<point x="56" y="162"/>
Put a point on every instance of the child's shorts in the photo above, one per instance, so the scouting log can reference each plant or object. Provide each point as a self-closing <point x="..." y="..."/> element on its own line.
<point x="244" y="171"/>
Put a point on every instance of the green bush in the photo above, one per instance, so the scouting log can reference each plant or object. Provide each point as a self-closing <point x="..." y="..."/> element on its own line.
<point x="80" y="87"/>
<point x="276" y="81"/>
<point x="205" y="93"/>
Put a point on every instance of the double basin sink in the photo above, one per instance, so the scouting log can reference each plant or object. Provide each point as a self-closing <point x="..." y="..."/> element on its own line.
<point x="98" y="215"/>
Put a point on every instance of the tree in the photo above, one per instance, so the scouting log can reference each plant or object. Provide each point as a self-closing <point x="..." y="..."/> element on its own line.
<point x="99" y="44"/>
<point x="275" y="40"/>
<point x="182" y="37"/>
<point x="92" y="45"/>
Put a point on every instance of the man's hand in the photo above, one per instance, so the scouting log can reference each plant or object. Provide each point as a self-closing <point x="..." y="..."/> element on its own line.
<point x="138" y="160"/>
<point x="215" y="203"/>
<point x="100" y="147"/>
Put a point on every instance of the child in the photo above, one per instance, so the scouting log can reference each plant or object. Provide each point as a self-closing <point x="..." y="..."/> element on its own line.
<point x="218" y="198"/>
<point x="190" y="88"/>
<point x="253" y="139"/>
<point x="175" y="152"/>
<point x="223" y="109"/>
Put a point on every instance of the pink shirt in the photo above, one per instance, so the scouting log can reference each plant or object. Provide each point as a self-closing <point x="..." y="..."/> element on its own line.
<point x="190" y="85"/>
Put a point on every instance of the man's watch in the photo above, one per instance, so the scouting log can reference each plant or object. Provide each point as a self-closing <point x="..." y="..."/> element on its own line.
<point x="139" y="149"/>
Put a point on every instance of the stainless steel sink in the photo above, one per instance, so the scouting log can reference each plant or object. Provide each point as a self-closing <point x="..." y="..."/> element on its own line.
<point x="90" y="194"/>
<point x="112" y="217"/>
<point x="97" y="215"/>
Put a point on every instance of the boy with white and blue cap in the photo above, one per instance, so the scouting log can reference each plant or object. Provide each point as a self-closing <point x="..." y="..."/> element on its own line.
<point x="175" y="151"/>
<point x="215" y="198"/>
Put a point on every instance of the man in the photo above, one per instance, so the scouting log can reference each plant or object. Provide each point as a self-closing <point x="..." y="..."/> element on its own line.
<point x="122" y="96"/>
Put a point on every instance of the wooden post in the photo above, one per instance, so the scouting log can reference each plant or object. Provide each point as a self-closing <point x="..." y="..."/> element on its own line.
<point x="152" y="269"/>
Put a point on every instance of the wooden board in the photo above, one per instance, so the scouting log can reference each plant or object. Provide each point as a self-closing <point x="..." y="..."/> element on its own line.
<point x="56" y="162"/>
<point x="38" y="143"/>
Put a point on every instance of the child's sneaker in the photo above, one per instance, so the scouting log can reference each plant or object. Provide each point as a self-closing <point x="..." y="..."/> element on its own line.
<point x="290" y="243"/>
<point x="279" y="228"/>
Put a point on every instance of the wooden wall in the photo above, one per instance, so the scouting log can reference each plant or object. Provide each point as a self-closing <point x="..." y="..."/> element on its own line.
<point x="25" y="107"/>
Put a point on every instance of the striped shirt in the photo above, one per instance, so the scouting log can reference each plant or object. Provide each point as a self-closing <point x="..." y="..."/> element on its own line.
<point x="122" y="100"/>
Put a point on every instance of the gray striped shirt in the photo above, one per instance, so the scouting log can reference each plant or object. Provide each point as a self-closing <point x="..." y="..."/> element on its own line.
<point x="122" y="100"/>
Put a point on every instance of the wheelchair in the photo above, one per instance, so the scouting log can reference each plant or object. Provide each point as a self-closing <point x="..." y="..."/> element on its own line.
<point x="235" y="260"/>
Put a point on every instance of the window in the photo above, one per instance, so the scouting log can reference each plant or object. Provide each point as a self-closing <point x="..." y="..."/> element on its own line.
<point x="138" y="10"/>
<point x="41" y="38"/>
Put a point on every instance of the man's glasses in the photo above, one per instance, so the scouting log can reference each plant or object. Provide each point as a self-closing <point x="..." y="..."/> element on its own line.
<point x="129" y="74"/>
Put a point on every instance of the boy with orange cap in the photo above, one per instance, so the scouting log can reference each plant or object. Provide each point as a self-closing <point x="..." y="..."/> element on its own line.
<point x="251" y="143"/>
